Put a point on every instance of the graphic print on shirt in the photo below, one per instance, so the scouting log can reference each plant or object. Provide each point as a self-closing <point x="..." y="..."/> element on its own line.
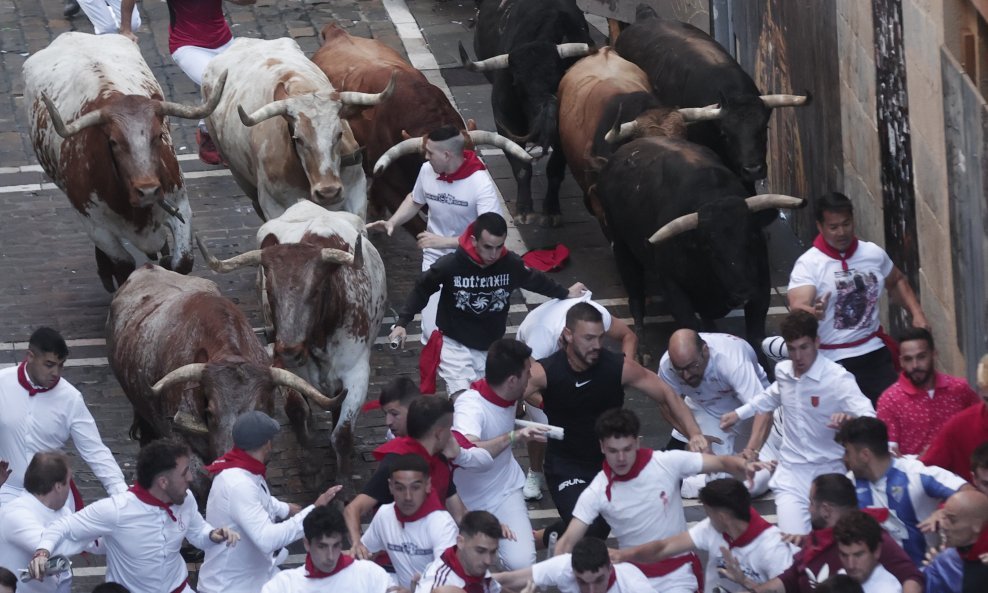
<point x="469" y="299"/>
<point x="448" y="199"/>
<point x="856" y="299"/>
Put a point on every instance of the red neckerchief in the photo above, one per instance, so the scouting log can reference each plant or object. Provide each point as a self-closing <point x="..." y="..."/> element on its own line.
<point x="429" y="505"/>
<point x="467" y="245"/>
<point x="439" y="472"/>
<point x="147" y="498"/>
<point x="756" y="526"/>
<point x="470" y="165"/>
<point x="979" y="547"/>
<point x="642" y="457"/>
<point x="311" y="572"/>
<point x="26" y="383"/>
<point x="471" y="584"/>
<point x="818" y="541"/>
<point x="829" y="251"/>
<point x="237" y="457"/>
<point x="611" y="579"/>
<point x="484" y="389"/>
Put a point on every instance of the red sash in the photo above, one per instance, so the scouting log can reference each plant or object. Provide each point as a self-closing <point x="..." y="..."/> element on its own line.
<point x="181" y="587"/>
<point x="429" y="362"/>
<point x="664" y="567"/>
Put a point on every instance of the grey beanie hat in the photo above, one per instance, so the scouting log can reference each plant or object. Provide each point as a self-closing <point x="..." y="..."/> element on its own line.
<point x="253" y="429"/>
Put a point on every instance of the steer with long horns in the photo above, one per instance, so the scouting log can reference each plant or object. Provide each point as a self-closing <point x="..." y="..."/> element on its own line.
<point x="190" y="363"/>
<point x="323" y="290"/>
<point x="282" y="129"/>
<point x="98" y="125"/>
<point x="524" y="47"/>
<point x="676" y="210"/>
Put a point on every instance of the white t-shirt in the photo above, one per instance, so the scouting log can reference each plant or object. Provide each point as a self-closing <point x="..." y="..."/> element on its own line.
<point x="852" y="311"/>
<point x="543" y="325"/>
<point x="241" y="500"/>
<point x="411" y="546"/>
<point x="881" y="581"/>
<point x="766" y="557"/>
<point x="363" y="576"/>
<point x="439" y="574"/>
<point x="558" y="572"/>
<point x="452" y="206"/>
<point x="484" y="486"/>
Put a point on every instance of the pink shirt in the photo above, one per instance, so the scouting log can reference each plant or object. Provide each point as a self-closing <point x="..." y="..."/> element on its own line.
<point x="197" y="22"/>
<point x="913" y="417"/>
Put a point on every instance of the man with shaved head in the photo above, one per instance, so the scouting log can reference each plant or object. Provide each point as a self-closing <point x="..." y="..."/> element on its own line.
<point x="962" y="568"/>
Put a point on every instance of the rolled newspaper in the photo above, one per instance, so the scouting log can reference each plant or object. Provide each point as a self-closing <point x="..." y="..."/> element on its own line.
<point x="555" y="432"/>
<point x="56" y="564"/>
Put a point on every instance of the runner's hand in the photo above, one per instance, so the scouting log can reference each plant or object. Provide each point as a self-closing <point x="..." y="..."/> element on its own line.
<point x="700" y="443"/>
<point x="532" y="433"/>
<point x="398" y="334"/>
<point x="327" y="496"/>
<point x="820" y="306"/>
<point x="576" y="290"/>
<point x="507" y="534"/>
<point x="728" y="420"/>
<point x="224" y="534"/>
<point x="359" y="551"/>
<point x="380" y="225"/>
<point x="4" y="470"/>
<point x="36" y="568"/>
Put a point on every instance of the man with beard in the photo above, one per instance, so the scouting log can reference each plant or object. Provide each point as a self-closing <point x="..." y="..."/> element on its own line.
<point x="144" y="527"/>
<point x="922" y="400"/>
<point x="578" y="384"/>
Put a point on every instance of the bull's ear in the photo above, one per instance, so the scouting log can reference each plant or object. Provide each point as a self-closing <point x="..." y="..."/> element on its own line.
<point x="280" y="92"/>
<point x="269" y="240"/>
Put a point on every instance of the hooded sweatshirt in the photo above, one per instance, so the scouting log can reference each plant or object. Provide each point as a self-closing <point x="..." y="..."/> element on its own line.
<point x="474" y="301"/>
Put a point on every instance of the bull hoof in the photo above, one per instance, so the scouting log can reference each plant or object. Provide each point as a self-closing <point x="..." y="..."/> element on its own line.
<point x="552" y="221"/>
<point x="526" y="218"/>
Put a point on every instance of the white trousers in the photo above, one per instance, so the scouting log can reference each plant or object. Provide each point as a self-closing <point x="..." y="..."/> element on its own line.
<point x="791" y="483"/>
<point x="681" y="580"/>
<point x="460" y="366"/>
<point x="512" y="511"/>
<point x="105" y="15"/>
<point x="193" y="60"/>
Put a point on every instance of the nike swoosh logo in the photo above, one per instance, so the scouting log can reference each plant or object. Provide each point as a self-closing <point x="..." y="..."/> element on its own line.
<point x="579" y="384"/>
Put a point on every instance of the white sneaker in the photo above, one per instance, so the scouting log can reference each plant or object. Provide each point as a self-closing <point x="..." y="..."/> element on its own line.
<point x="534" y="483"/>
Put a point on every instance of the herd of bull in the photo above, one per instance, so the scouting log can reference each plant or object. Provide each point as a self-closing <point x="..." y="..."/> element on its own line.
<point x="664" y="133"/>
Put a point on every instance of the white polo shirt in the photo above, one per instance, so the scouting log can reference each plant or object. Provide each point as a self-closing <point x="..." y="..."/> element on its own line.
<point x="241" y="500"/>
<point x="542" y="326"/>
<point x="142" y="542"/>
<point x="483" y="486"/>
<point x="412" y="546"/>
<point x="558" y="572"/>
<point x="761" y="560"/>
<point x="45" y="422"/>
<point x="363" y="576"/>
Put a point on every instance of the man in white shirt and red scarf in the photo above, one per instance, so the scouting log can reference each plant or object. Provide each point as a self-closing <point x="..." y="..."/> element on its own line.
<point x="840" y="280"/>
<point x="637" y="493"/>
<point x="731" y="523"/>
<point x="42" y="411"/>
<point x="326" y="567"/>
<point x="144" y="527"/>
<point x="240" y="497"/>
<point x="467" y="564"/>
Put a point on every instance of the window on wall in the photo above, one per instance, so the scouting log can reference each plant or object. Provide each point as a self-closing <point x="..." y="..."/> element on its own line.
<point x="973" y="38"/>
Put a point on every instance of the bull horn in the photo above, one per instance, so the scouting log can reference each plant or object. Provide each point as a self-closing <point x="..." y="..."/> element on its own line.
<point x="80" y="123"/>
<point x="251" y="258"/>
<point x="484" y="137"/>
<point x="196" y="111"/>
<point x="355" y="98"/>
<point x="691" y="114"/>
<point x="496" y="63"/>
<point x="622" y="132"/>
<point x="573" y="50"/>
<point x="189" y="372"/>
<point x="405" y="147"/>
<point x="272" y="109"/>
<point x="358" y="253"/>
<point x="187" y="423"/>
<point x="287" y="379"/>
<point x="336" y="256"/>
<point x="785" y="100"/>
<point x="675" y="227"/>
<point x="766" y="201"/>
<point x="171" y="209"/>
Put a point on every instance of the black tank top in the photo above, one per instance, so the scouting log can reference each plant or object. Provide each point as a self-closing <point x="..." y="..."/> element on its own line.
<point x="575" y="400"/>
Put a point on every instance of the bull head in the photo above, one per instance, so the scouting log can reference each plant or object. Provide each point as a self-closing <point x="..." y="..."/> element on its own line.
<point x="283" y="106"/>
<point x="253" y="257"/>
<point x="500" y="62"/>
<point x="477" y="137"/>
<point x="690" y="221"/>
<point x="621" y="132"/>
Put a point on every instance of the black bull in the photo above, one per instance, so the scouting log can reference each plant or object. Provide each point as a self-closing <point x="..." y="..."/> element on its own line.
<point x="710" y="255"/>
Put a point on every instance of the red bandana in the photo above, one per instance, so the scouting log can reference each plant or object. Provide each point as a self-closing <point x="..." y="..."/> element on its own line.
<point x="439" y="473"/>
<point x="467" y="245"/>
<point x="472" y="584"/>
<point x="311" y="572"/>
<point x="829" y="251"/>
<point x="26" y="384"/>
<point x="430" y="504"/>
<point x="611" y="579"/>
<point x="487" y="393"/>
<point x="818" y="541"/>
<point x="470" y="165"/>
<point x="237" y="457"/>
<point x="147" y="498"/>
<point x="642" y="457"/>
<point x="756" y="526"/>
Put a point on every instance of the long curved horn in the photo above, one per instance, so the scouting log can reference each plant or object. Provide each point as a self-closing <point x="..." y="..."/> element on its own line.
<point x="495" y="63"/>
<point x="709" y="112"/>
<point x="287" y="379"/>
<point x="251" y="258"/>
<point x="573" y="50"/>
<point x="675" y="227"/>
<point x="187" y="423"/>
<point x="336" y="256"/>
<point x="484" y="137"/>
<point x="189" y="372"/>
<point x="196" y="111"/>
<point x="408" y="146"/>
<point x="785" y="100"/>
<point x="273" y="109"/>
<point x="80" y="123"/>
<point x="622" y="132"/>
<point x="766" y="201"/>
<point x="355" y="98"/>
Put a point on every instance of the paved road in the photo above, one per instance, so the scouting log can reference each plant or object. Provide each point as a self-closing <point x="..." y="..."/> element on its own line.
<point x="46" y="260"/>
